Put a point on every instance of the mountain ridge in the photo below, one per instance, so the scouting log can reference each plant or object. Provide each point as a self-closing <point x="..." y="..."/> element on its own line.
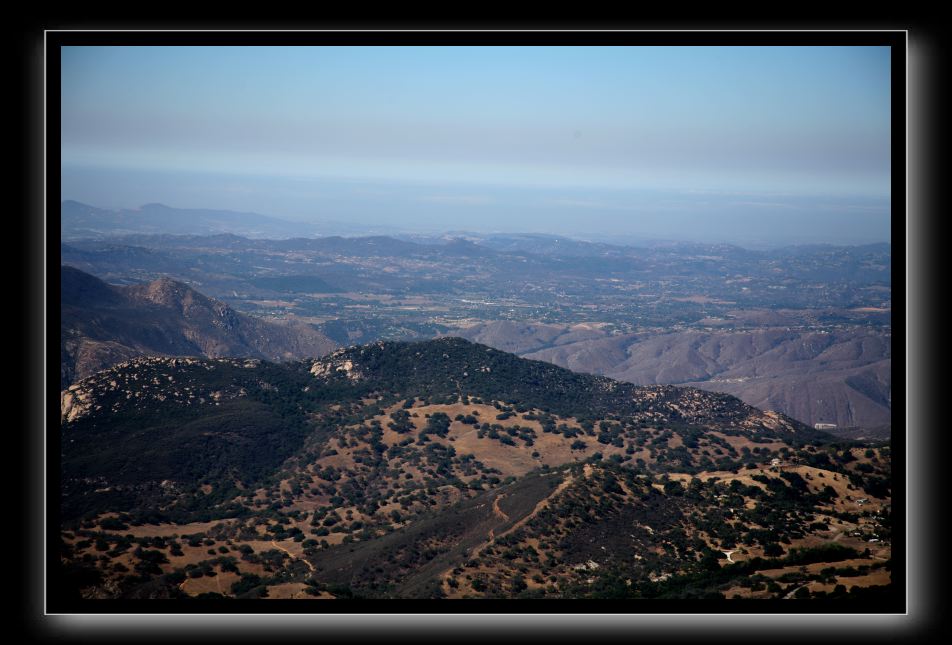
<point x="103" y="324"/>
<point x="768" y="368"/>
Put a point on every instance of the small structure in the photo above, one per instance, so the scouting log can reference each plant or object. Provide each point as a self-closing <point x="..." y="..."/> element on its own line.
<point x="824" y="426"/>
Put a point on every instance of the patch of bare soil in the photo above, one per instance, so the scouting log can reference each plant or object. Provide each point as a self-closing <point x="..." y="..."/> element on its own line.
<point x="167" y="530"/>
<point x="293" y="590"/>
<point x="220" y="583"/>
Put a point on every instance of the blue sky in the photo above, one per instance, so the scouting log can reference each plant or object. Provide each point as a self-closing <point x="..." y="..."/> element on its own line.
<point x="523" y="138"/>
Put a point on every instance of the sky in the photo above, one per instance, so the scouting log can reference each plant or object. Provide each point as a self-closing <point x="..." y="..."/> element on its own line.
<point x="719" y="143"/>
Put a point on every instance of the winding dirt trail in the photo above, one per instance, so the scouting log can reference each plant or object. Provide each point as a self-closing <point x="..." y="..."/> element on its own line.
<point x="565" y="483"/>
<point x="790" y="595"/>
<point x="293" y="557"/>
<point x="498" y="511"/>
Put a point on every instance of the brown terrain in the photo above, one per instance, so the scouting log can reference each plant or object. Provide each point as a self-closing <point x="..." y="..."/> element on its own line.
<point x="539" y="529"/>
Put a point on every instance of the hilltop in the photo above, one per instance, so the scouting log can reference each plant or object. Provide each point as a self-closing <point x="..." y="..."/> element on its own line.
<point x="443" y="468"/>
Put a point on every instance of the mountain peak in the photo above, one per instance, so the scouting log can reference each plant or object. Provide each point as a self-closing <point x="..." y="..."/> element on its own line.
<point x="103" y="325"/>
<point x="168" y="292"/>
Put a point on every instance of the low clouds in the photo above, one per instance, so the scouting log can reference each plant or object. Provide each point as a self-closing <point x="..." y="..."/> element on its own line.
<point x="555" y="134"/>
<point x="458" y="199"/>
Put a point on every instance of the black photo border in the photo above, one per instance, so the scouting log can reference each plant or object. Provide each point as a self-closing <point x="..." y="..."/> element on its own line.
<point x="550" y="613"/>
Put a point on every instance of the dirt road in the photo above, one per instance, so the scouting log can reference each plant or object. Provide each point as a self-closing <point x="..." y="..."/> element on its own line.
<point x="293" y="557"/>
<point x="498" y="511"/>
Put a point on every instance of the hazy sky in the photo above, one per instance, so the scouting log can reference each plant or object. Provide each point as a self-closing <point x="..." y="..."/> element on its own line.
<point x="691" y="141"/>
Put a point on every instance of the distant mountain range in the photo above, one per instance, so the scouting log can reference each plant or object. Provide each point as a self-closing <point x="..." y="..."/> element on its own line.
<point x="803" y="330"/>
<point x="103" y="325"/>
<point x="84" y="221"/>
<point x="80" y="220"/>
<point x="838" y="377"/>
